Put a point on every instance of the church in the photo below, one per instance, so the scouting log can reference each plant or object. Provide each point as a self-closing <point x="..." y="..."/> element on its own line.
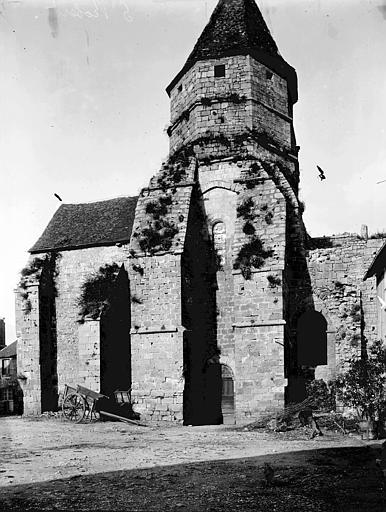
<point x="204" y="296"/>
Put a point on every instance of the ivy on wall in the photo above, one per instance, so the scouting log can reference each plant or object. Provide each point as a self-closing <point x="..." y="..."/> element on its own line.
<point x="158" y="235"/>
<point x="273" y="281"/>
<point x="33" y="271"/>
<point x="173" y="173"/>
<point x="96" y="292"/>
<point x="251" y="255"/>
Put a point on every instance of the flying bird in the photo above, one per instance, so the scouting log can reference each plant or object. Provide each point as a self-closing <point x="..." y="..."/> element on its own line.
<point x="58" y="197"/>
<point x="383" y="303"/>
<point x="321" y="173"/>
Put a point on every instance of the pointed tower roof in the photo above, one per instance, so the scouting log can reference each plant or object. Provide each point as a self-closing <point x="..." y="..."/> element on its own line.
<point x="237" y="27"/>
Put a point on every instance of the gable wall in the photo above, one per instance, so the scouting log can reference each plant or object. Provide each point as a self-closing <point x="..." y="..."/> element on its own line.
<point x="73" y="358"/>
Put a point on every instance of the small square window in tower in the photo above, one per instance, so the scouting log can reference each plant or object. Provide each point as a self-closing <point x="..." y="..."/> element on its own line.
<point x="219" y="71"/>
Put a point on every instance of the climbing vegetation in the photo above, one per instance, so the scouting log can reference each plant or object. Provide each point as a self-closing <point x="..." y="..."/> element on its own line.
<point x="96" y="292"/>
<point x="251" y="255"/>
<point x="33" y="270"/>
<point x="159" y="233"/>
<point x="273" y="281"/>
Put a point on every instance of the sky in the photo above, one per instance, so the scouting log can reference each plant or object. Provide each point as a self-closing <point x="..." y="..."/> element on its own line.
<point x="83" y="107"/>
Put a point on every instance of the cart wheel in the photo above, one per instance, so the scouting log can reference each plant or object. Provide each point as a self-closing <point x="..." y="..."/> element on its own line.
<point x="74" y="407"/>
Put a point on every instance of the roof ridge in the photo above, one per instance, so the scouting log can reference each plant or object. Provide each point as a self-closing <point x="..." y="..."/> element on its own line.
<point x="113" y="198"/>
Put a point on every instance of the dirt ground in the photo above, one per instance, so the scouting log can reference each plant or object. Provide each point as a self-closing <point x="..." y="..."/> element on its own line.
<point x="52" y="464"/>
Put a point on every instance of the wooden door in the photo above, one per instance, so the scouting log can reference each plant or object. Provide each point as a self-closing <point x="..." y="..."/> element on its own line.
<point x="228" y="396"/>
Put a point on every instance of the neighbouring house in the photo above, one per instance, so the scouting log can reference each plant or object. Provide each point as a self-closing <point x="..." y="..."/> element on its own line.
<point x="2" y="333"/>
<point x="205" y="295"/>
<point x="11" y="398"/>
<point x="377" y="273"/>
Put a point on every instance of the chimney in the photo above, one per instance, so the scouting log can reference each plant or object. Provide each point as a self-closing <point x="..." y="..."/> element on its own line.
<point x="364" y="232"/>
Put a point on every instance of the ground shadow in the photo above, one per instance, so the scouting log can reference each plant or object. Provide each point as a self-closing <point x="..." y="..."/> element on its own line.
<point x="339" y="479"/>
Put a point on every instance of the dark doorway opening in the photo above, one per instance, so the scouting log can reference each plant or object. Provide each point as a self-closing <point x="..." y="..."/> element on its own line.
<point x="227" y="396"/>
<point x="115" y="349"/>
<point x="212" y="402"/>
<point x="311" y="345"/>
<point x="312" y="339"/>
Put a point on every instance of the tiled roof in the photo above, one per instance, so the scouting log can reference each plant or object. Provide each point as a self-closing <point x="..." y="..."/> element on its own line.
<point x="237" y="27"/>
<point x="378" y="264"/>
<point x="89" y="224"/>
<point x="234" y="25"/>
<point x="9" y="351"/>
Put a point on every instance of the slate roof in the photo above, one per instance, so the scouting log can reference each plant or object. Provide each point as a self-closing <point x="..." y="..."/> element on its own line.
<point x="237" y="27"/>
<point x="9" y="351"/>
<point x="378" y="263"/>
<point x="75" y="226"/>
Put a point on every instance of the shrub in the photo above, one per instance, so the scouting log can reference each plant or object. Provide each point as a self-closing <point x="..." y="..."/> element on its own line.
<point x="379" y="234"/>
<point x="363" y="385"/>
<point x="322" y="394"/>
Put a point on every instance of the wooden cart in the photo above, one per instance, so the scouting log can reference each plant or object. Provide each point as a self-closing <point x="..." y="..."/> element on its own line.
<point x="81" y="403"/>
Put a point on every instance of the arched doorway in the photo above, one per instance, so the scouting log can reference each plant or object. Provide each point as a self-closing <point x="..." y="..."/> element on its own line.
<point x="227" y="396"/>
<point x="312" y="339"/>
<point x="311" y="351"/>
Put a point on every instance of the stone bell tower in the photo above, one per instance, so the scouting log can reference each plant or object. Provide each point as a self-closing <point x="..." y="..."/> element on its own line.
<point x="231" y="133"/>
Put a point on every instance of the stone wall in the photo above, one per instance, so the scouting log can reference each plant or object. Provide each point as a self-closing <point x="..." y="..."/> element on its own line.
<point x="156" y="288"/>
<point x="248" y="97"/>
<point x="76" y="362"/>
<point x="250" y="323"/>
<point x="337" y="266"/>
<point x="28" y="350"/>
<point x="89" y="354"/>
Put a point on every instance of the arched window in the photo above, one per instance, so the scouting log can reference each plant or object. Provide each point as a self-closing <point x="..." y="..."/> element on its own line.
<point x="219" y="240"/>
<point x="312" y="339"/>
